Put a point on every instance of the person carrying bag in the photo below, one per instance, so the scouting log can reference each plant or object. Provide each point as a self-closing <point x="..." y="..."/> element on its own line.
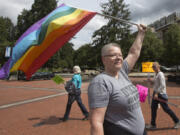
<point x="73" y="87"/>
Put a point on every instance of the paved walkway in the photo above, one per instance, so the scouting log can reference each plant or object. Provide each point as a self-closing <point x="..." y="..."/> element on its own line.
<point x="34" y="108"/>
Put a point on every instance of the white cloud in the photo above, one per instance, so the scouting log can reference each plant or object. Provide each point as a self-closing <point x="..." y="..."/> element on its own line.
<point x="84" y="36"/>
<point x="142" y="11"/>
<point x="11" y="8"/>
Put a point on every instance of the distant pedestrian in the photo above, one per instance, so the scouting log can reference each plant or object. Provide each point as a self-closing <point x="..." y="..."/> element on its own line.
<point x="76" y="95"/>
<point x="160" y="95"/>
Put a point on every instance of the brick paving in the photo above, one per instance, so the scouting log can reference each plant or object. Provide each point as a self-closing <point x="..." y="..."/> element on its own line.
<point x="42" y="117"/>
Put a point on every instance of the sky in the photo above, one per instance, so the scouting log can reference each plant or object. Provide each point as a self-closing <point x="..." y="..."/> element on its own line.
<point x="142" y="12"/>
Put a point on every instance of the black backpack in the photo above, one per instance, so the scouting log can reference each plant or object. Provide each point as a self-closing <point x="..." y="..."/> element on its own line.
<point x="70" y="87"/>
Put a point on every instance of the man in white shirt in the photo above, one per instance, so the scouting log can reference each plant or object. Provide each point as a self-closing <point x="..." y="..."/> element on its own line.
<point x="160" y="97"/>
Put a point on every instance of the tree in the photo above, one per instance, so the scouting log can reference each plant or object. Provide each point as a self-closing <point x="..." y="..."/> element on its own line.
<point x="152" y="48"/>
<point x="62" y="59"/>
<point x="83" y="57"/>
<point x="67" y="54"/>
<point x="39" y="9"/>
<point x="114" y="31"/>
<point x="6" y="29"/>
<point x="23" y="24"/>
<point x="6" y="36"/>
<point x="172" y="45"/>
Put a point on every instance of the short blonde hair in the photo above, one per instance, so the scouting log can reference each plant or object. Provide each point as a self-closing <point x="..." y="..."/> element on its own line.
<point x="156" y="64"/>
<point x="76" y="69"/>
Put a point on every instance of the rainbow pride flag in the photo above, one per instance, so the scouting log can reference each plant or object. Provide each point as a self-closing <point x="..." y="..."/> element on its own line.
<point x="44" y="38"/>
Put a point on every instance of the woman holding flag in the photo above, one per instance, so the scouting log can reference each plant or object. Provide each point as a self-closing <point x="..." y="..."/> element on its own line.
<point x="113" y="99"/>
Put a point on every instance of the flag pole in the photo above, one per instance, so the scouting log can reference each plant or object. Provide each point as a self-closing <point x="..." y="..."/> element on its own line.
<point x="112" y="17"/>
<point x="119" y="19"/>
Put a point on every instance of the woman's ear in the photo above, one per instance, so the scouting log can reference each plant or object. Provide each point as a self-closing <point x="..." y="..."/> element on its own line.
<point x="102" y="59"/>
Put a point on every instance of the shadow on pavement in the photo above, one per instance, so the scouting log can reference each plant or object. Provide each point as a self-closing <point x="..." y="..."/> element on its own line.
<point x="50" y="120"/>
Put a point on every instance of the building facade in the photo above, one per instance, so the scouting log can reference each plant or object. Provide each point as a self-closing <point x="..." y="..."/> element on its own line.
<point x="161" y="25"/>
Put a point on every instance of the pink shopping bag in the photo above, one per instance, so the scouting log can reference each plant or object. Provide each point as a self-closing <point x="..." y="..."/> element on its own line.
<point x="143" y="92"/>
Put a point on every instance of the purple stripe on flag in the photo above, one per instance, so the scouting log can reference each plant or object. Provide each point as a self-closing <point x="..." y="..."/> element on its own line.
<point x="4" y="71"/>
<point x="34" y="27"/>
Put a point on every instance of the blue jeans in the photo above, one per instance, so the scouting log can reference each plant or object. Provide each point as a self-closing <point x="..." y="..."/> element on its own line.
<point x="166" y="109"/>
<point x="71" y="99"/>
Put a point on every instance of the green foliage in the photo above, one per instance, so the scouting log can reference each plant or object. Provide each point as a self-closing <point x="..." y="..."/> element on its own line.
<point x="126" y="43"/>
<point x="43" y="70"/>
<point x="6" y="30"/>
<point x="113" y="31"/>
<point x="6" y="37"/>
<point x="39" y="9"/>
<point x="59" y="69"/>
<point x="67" y="54"/>
<point x="63" y="58"/>
<point x="172" y="45"/>
<point x="84" y="57"/>
<point x="23" y="22"/>
<point x="152" y="48"/>
<point x="88" y="56"/>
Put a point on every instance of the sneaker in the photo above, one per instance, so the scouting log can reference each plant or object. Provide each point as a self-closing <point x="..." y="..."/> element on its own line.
<point x="150" y="127"/>
<point x="177" y="125"/>
<point x="63" y="119"/>
<point x="85" y="118"/>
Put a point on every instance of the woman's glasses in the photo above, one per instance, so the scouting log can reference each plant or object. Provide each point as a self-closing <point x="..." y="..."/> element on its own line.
<point x="114" y="56"/>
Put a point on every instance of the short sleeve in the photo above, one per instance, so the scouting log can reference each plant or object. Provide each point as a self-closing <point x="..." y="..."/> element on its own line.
<point x="98" y="95"/>
<point x="125" y="67"/>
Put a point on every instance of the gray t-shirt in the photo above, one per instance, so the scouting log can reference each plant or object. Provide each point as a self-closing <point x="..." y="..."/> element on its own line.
<point x="120" y="97"/>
